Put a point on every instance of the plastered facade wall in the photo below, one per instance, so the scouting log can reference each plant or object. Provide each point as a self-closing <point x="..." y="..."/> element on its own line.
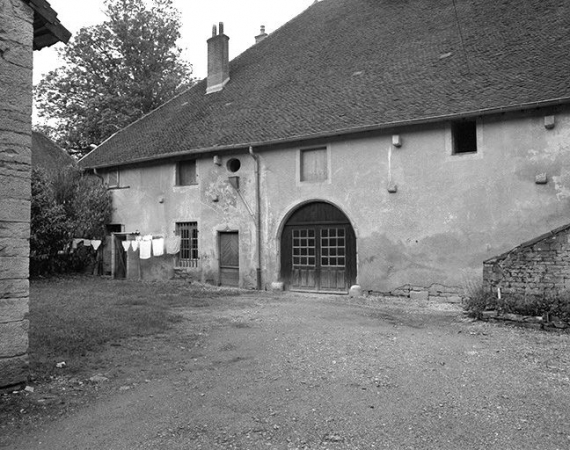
<point x="149" y="202"/>
<point x="535" y="269"/>
<point x="449" y="214"/>
<point x="16" y="35"/>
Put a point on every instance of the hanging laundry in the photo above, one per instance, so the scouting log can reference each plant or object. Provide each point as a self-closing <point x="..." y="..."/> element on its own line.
<point x="75" y="242"/>
<point x="135" y="245"/>
<point x="158" y="247"/>
<point x="86" y="242"/>
<point x="95" y="243"/>
<point x="126" y="245"/>
<point x="173" y="245"/>
<point x="145" y="247"/>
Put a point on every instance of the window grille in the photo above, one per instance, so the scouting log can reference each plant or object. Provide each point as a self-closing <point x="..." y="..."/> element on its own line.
<point x="188" y="232"/>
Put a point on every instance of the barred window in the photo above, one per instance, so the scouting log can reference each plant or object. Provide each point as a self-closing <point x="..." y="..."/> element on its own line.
<point x="188" y="232"/>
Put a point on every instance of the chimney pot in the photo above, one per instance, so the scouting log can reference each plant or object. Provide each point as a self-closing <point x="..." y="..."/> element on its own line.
<point x="262" y="34"/>
<point x="218" y="60"/>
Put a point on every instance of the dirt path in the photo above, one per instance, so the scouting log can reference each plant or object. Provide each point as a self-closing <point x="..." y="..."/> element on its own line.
<point x="307" y="372"/>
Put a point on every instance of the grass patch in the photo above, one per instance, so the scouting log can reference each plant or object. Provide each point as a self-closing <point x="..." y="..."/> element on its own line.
<point x="73" y="316"/>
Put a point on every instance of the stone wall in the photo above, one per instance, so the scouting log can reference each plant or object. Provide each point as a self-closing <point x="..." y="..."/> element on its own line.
<point x="537" y="267"/>
<point x="16" y="35"/>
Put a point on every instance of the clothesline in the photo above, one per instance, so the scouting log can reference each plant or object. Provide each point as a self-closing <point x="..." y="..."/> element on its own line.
<point x="153" y="246"/>
<point x="95" y="243"/>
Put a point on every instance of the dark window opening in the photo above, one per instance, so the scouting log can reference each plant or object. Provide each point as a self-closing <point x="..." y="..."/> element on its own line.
<point x="186" y="173"/>
<point x="233" y="165"/>
<point x="114" y="228"/>
<point x="188" y="232"/>
<point x="464" y="135"/>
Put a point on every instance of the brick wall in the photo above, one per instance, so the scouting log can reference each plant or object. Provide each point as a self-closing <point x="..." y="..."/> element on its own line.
<point x="16" y="35"/>
<point x="538" y="267"/>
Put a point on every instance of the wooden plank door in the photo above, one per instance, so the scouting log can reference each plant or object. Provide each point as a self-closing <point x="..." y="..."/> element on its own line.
<point x="304" y="250"/>
<point x="229" y="259"/>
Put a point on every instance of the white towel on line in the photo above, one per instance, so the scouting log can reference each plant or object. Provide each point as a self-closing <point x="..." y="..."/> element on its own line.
<point x="145" y="247"/>
<point x="158" y="247"/>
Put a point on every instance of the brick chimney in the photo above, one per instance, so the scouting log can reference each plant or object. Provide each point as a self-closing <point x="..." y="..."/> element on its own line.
<point x="262" y="35"/>
<point x="218" y="60"/>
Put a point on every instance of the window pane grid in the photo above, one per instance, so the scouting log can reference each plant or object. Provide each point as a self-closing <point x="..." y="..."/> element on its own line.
<point x="333" y="247"/>
<point x="304" y="248"/>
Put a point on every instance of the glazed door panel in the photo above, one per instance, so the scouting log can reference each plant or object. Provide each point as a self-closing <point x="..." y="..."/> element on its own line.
<point x="304" y="247"/>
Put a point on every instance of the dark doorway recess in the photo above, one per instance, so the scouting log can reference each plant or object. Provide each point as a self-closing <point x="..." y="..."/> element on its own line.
<point x="318" y="249"/>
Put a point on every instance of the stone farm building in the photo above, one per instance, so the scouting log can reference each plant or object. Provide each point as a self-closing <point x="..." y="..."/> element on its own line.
<point x="25" y="25"/>
<point x="379" y="143"/>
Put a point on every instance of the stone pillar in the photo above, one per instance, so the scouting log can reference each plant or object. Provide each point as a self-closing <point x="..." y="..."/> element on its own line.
<point x="16" y="40"/>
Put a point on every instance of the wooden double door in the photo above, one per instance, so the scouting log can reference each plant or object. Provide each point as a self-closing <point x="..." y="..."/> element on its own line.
<point x="318" y="249"/>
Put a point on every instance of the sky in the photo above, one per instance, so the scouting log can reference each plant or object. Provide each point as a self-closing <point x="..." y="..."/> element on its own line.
<point x="242" y="20"/>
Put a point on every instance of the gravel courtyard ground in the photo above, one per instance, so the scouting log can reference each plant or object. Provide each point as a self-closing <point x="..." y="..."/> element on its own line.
<point x="296" y="371"/>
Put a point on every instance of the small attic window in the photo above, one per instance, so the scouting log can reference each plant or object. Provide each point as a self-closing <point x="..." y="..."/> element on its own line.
<point x="464" y="136"/>
<point x="186" y="173"/>
<point x="112" y="177"/>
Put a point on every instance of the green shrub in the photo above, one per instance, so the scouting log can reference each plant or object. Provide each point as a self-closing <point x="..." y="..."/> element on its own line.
<point x="477" y="300"/>
<point x="551" y="304"/>
<point x="65" y="205"/>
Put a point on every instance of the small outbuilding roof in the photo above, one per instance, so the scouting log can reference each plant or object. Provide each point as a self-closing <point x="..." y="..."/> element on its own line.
<point x="348" y="66"/>
<point x="47" y="155"/>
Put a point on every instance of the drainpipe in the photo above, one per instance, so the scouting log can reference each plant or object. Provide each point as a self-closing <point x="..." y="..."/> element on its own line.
<point x="257" y="216"/>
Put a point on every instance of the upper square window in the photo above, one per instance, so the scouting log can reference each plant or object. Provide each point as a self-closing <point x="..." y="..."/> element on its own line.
<point x="186" y="173"/>
<point x="464" y="136"/>
<point x="112" y="177"/>
<point x="314" y="164"/>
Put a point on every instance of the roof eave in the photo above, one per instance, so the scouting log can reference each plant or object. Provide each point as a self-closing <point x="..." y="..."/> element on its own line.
<point x="48" y="30"/>
<point x="346" y="131"/>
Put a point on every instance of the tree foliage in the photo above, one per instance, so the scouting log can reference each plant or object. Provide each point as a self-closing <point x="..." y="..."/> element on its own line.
<point x="65" y="205"/>
<point x="114" y="73"/>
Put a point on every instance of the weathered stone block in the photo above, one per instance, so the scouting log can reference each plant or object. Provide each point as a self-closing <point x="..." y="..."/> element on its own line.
<point x="15" y="210"/>
<point x="14" y="268"/>
<point x="277" y="286"/>
<point x="355" y="291"/>
<point x="16" y="188"/>
<point x="419" y="295"/>
<point x="13" y="289"/>
<point x="16" y="230"/>
<point x="13" y="371"/>
<point x="13" y="309"/>
<point x="14" y="247"/>
<point x="13" y="339"/>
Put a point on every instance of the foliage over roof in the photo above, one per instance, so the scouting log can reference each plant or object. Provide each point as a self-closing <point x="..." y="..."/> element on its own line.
<point x="350" y="65"/>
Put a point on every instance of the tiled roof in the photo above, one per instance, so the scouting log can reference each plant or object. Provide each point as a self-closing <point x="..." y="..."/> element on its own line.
<point x="47" y="155"/>
<point x="355" y="64"/>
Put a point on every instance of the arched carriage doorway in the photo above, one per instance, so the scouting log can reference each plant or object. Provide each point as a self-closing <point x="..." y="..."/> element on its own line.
<point x="318" y="249"/>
